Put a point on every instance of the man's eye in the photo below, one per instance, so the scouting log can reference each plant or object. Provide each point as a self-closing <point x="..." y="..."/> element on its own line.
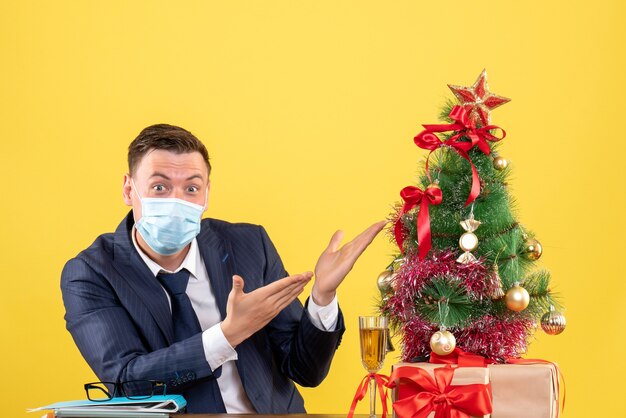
<point x="158" y="188"/>
<point x="192" y="189"/>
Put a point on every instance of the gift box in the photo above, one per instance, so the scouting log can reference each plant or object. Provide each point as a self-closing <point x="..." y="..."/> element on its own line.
<point x="524" y="390"/>
<point x="466" y="390"/>
<point x="518" y="390"/>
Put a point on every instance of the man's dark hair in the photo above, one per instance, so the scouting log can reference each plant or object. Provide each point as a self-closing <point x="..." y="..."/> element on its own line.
<point x="165" y="137"/>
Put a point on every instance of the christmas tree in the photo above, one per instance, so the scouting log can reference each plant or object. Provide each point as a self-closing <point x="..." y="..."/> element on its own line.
<point x="465" y="274"/>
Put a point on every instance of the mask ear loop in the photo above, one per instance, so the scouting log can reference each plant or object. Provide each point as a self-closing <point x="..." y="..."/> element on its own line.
<point x="135" y="190"/>
<point x="206" y="199"/>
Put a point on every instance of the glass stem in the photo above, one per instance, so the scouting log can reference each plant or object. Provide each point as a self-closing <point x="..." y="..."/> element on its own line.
<point x="372" y="397"/>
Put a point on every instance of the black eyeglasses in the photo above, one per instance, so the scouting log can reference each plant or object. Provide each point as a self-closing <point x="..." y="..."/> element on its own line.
<point x="134" y="389"/>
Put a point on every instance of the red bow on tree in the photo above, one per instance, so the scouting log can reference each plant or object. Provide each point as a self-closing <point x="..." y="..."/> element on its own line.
<point x="413" y="196"/>
<point x="438" y="395"/>
<point x="463" y="127"/>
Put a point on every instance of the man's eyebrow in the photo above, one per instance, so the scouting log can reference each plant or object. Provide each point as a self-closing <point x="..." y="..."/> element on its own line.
<point x="157" y="174"/>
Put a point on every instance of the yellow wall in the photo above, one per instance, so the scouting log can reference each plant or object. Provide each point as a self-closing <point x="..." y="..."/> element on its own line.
<point x="308" y="109"/>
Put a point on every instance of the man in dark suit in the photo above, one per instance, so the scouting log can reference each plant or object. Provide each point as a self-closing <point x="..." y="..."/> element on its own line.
<point x="164" y="297"/>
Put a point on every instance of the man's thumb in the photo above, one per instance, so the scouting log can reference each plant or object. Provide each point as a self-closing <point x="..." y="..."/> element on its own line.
<point x="237" y="285"/>
<point x="335" y="240"/>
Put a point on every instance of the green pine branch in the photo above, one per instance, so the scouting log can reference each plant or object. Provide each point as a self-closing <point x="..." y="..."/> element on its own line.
<point x="445" y="302"/>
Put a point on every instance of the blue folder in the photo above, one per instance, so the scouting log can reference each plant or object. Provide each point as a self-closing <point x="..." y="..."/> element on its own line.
<point x="154" y="407"/>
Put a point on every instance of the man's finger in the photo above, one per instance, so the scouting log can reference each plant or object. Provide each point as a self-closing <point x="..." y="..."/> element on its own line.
<point x="280" y="285"/>
<point x="273" y="298"/>
<point x="366" y="237"/>
<point x="285" y="299"/>
<point x="287" y="294"/>
<point x="373" y="230"/>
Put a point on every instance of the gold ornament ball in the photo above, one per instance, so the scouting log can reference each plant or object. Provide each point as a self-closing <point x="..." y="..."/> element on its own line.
<point x="532" y="249"/>
<point x="553" y="323"/>
<point x="500" y="163"/>
<point x="384" y="281"/>
<point x="517" y="298"/>
<point x="433" y="186"/>
<point x="442" y="343"/>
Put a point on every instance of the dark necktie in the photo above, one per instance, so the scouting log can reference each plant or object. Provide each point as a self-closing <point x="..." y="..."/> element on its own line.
<point x="186" y="322"/>
<point x="205" y="396"/>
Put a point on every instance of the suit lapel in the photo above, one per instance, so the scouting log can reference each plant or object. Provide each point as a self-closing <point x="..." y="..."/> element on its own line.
<point x="217" y="256"/>
<point x="139" y="277"/>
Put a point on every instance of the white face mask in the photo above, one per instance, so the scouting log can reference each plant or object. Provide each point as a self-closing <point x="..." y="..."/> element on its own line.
<point x="168" y="224"/>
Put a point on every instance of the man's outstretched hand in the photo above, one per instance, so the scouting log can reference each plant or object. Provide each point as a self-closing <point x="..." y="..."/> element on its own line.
<point x="335" y="263"/>
<point x="246" y="313"/>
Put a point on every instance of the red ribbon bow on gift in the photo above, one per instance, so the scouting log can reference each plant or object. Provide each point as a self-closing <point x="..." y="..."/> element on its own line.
<point x="438" y="395"/>
<point x="381" y="382"/>
<point x="413" y="196"/>
<point x="463" y="127"/>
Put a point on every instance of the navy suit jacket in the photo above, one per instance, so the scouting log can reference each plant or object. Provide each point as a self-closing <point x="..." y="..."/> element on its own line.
<point x="119" y="317"/>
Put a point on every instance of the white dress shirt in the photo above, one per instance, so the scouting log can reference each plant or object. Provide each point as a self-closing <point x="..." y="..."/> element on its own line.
<point x="217" y="350"/>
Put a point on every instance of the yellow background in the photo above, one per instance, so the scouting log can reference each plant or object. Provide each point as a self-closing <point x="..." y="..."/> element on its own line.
<point x="308" y="109"/>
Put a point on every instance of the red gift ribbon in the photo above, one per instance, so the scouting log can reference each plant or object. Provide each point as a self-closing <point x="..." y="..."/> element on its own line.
<point x="465" y="359"/>
<point x="462" y="126"/>
<point x="460" y="357"/>
<point x="559" y="375"/>
<point x="413" y="196"/>
<point x="361" y="391"/>
<point x="438" y="395"/>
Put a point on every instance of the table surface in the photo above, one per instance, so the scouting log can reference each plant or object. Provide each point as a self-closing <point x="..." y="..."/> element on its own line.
<point x="263" y="415"/>
<point x="270" y="416"/>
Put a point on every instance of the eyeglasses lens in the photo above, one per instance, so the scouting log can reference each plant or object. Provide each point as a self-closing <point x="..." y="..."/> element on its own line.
<point x="97" y="392"/>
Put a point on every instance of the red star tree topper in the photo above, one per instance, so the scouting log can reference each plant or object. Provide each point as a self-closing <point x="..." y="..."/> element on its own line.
<point x="478" y="100"/>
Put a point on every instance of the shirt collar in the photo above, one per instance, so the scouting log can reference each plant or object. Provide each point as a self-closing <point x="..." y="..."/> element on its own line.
<point x="190" y="262"/>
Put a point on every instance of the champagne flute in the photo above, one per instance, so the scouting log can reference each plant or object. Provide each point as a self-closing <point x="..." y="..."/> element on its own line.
<point x="373" y="333"/>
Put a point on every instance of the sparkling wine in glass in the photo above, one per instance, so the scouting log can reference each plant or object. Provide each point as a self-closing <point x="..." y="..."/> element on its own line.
<point x="373" y="331"/>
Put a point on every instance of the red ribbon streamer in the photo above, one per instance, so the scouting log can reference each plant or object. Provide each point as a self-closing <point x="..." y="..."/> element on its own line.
<point x="361" y="391"/>
<point x="438" y="395"/>
<point x="463" y="127"/>
<point x="413" y="196"/>
<point x="559" y="375"/>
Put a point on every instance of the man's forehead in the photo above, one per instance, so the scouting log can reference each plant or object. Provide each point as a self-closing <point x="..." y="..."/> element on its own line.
<point x="167" y="163"/>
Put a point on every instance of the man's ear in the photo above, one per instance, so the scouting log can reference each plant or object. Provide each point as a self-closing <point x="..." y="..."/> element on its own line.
<point x="127" y="189"/>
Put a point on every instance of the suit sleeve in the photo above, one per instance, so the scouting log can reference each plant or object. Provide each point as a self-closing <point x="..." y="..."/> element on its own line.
<point x="110" y="342"/>
<point x="302" y="351"/>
